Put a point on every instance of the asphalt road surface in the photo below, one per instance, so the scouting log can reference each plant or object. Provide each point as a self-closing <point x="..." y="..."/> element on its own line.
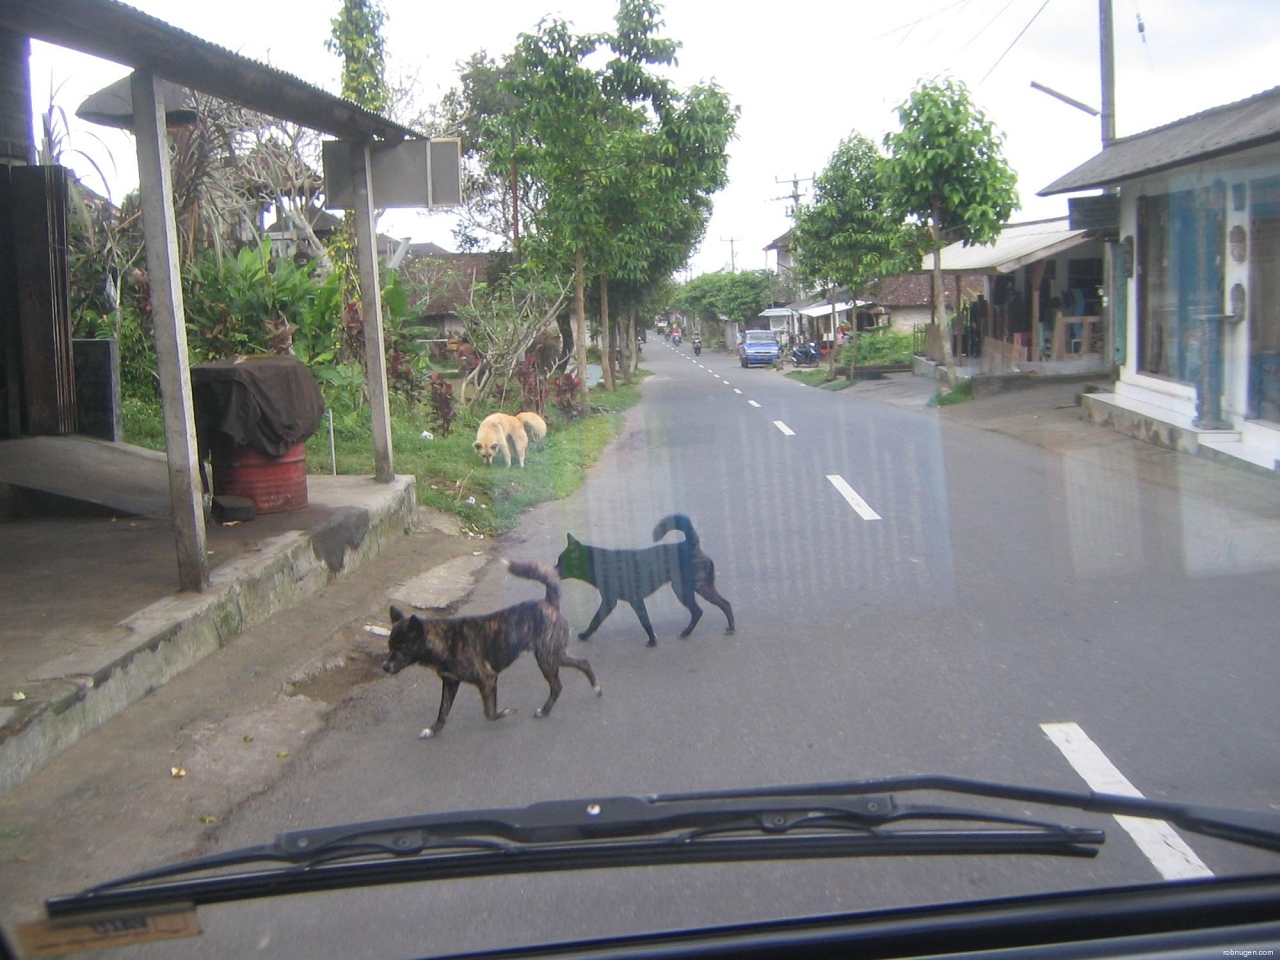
<point x="912" y="596"/>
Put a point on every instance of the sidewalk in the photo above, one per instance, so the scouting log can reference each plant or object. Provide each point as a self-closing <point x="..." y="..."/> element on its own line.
<point x="92" y="621"/>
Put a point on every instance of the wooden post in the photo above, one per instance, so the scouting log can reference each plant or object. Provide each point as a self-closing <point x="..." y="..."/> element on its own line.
<point x="1037" y="277"/>
<point x="161" y="240"/>
<point x="375" y="360"/>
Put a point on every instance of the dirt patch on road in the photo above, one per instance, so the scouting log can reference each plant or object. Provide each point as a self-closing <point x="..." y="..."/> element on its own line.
<point x="334" y="683"/>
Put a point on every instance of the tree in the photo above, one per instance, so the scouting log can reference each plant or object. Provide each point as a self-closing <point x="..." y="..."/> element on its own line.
<point x="619" y="166"/>
<point x="850" y="237"/>
<point x="357" y="38"/>
<point x="948" y="174"/>
<point x="480" y="111"/>
<point x="734" y="297"/>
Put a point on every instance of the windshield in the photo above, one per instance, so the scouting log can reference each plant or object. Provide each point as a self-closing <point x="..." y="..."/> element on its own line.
<point x="488" y="503"/>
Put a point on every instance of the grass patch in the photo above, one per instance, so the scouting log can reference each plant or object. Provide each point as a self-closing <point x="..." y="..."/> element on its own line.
<point x="450" y="476"/>
<point x="142" y="422"/>
<point x="959" y="392"/>
<point x="810" y="378"/>
<point x="821" y="378"/>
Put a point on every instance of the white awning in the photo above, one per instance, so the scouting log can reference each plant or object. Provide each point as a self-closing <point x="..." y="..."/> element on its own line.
<point x="776" y="312"/>
<point x="824" y="309"/>
<point x="1018" y="245"/>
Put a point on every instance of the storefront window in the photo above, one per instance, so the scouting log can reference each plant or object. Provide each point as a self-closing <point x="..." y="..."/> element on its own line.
<point x="1263" y="250"/>
<point x="1181" y="244"/>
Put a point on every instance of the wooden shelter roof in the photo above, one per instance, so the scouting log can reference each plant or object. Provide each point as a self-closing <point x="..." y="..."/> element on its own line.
<point x="124" y="35"/>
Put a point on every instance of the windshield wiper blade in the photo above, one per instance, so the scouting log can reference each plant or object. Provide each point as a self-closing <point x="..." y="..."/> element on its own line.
<point x="840" y="819"/>
<point x="585" y="834"/>
<point x="1245" y="827"/>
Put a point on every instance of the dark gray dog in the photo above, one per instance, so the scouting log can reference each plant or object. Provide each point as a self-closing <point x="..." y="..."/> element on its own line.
<point x="632" y="575"/>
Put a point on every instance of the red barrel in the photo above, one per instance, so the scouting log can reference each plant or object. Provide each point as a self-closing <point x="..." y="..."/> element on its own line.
<point x="274" y="484"/>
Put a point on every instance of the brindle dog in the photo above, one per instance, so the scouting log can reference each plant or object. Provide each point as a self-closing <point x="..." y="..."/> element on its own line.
<point x="632" y="575"/>
<point x="476" y="649"/>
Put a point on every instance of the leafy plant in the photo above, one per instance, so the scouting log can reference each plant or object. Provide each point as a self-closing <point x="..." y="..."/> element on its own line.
<point x="877" y="349"/>
<point x="234" y="305"/>
<point x="535" y="388"/>
<point x="568" y="395"/>
<point x="442" y="402"/>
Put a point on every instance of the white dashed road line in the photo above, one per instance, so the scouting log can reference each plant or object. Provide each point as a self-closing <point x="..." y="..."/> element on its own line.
<point x="786" y="431"/>
<point x="1167" y="851"/>
<point x="735" y="389"/>
<point x="753" y="403"/>
<point x="860" y="506"/>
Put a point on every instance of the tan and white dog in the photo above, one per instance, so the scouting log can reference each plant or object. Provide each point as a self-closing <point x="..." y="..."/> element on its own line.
<point x="499" y="430"/>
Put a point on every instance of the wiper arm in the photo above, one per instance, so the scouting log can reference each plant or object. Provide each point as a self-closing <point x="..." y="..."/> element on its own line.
<point x="584" y="834"/>
<point x="816" y="820"/>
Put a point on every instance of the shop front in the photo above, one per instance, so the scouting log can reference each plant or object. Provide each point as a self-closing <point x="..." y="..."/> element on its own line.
<point x="1198" y="273"/>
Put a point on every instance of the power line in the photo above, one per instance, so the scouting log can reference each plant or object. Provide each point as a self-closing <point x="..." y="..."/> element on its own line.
<point x="1015" y="40"/>
<point x="1142" y="32"/>
<point x="988" y="26"/>
<point x="927" y="16"/>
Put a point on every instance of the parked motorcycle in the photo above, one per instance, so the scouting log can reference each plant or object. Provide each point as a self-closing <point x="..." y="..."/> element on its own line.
<point x="805" y="355"/>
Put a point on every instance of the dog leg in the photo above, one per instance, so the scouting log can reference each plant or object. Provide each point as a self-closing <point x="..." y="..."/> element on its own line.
<point x="489" y="694"/>
<point x="579" y="663"/>
<point x="683" y="589"/>
<point x="643" y="614"/>
<point x="448" y="690"/>
<point x="708" y="592"/>
<point x="552" y="675"/>
<point x="606" y="607"/>
<point x="550" y="662"/>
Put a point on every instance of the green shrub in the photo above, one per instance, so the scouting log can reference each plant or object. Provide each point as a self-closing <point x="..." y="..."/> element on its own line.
<point x="881" y="348"/>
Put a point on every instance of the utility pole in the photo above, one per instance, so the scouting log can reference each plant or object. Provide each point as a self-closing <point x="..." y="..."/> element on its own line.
<point x="794" y="195"/>
<point x="733" y="268"/>
<point x="1107" y="51"/>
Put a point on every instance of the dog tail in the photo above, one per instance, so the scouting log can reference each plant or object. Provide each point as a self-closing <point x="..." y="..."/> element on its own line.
<point x="540" y="572"/>
<point x="534" y="425"/>
<point x="677" y="521"/>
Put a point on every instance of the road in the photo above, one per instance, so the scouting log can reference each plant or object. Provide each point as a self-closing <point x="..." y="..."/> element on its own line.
<point x="912" y="596"/>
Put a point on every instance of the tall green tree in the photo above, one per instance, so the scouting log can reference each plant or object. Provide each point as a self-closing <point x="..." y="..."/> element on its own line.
<point x="619" y="165"/>
<point x="356" y="37"/>
<point x="735" y="297"/>
<point x="850" y="236"/>
<point x="949" y="175"/>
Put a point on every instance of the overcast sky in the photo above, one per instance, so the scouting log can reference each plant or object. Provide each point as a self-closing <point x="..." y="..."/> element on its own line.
<point x="804" y="72"/>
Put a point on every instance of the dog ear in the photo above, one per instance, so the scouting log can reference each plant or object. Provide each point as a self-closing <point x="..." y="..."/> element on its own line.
<point x="572" y="541"/>
<point x="396" y="615"/>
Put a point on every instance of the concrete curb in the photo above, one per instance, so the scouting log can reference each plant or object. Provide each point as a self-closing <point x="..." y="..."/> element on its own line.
<point x="76" y="693"/>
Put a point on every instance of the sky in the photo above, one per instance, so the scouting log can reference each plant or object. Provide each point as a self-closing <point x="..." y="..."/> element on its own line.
<point x="805" y="73"/>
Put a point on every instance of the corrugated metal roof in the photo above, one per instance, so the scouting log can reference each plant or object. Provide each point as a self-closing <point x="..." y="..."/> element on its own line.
<point x="1018" y="244"/>
<point x="1221" y="130"/>
<point x="124" y="35"/>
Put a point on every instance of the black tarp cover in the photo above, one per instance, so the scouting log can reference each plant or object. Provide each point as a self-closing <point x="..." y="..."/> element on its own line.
<point x="267" y="403"/>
